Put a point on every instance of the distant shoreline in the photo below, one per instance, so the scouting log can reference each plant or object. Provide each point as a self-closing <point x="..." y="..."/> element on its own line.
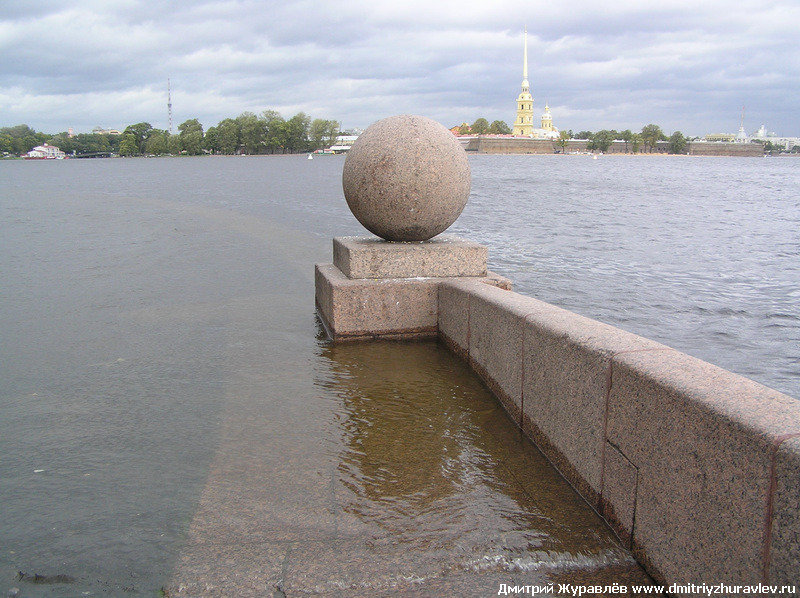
<point x="517" y="145"/>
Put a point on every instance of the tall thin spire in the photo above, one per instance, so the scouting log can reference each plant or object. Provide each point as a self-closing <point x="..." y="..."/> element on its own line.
<point x="523" y="125"/>
<point x="169" y="106"/>
<point x="741" y="136"/>
<point x="525" y="84"/>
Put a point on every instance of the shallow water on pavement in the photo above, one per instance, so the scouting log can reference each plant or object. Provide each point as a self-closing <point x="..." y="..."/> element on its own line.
<point x="170" y="413"/>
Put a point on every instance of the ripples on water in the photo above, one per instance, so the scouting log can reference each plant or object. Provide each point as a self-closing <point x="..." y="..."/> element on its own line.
<point x="159" y="340"/>
<point x="429" y="465"/>
<point x="702" y="254"/>
<point x="158" y="333"/>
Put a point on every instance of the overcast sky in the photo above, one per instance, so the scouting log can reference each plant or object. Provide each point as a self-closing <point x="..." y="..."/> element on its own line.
<point x="687" y="65"/>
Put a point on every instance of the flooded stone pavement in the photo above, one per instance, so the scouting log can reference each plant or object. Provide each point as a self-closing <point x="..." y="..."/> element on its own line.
<point x="404" y="478"/>
<point x="172" y="417"/>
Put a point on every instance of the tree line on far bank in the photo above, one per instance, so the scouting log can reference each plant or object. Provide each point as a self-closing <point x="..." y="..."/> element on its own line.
<point x="270" y="133"/>
<point x="248" y="133"/>
<point x="646" y="140"/>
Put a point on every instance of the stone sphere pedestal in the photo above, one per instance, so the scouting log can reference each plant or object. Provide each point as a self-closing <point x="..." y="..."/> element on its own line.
<point x="406" y="179"/>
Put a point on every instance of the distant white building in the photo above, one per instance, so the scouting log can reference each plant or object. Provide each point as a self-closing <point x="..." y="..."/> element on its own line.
<point x="46" y="152"/>
<point x="787" y="142"/>
<point x="343" y="143"/>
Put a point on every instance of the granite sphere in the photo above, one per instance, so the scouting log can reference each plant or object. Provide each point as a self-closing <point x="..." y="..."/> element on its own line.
<point x="406" y="178"/>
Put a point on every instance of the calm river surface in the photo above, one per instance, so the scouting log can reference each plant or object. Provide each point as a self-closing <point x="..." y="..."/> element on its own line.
<point x="170" y="409"/>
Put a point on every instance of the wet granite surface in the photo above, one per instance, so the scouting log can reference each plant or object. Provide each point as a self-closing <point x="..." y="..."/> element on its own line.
<point x="392" y="473"/>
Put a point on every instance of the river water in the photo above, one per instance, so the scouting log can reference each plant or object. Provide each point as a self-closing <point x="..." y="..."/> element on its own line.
<point x="170" y="407"/>
<point x="701" y="254"/>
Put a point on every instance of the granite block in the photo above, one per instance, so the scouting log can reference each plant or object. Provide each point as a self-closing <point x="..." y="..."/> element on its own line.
<point x="496" y="332"/>
<point x="442" y="256"/>
<point x="496" y="280"/>
<point x="784" y="550"/>
<point x="323" y="292"/>
<point x="369" y="308"/>
<point x="566" y="364"/>
<point x="701" y="439"/>
<point x="618" y="501"/>
<point x="454" y="315"/>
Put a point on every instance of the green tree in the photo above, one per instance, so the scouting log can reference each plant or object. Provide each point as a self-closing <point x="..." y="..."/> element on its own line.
<point x="499" y="127"/>
<point x="333" y="132"/>
<point x="63" y="142"/>
<point x="627" y="137"/>
<point x="6" y="143"/>
<point x="677" y="143"/>
<point x="210" y="141"/>
<point x="252" y="133"/>
<point x="651" y="135"/>
<point x="191" y="136"/>
<point x="563" y="140"/>
<point x="174" y="145"/>
<point x="276" y="130"/>
<point x="601" y="141"/>
<point x="480" y="127"/>
<point x="228" y="136"/>
<point x="583" y="135"/>
<point x="21" y="139"/>
<point x="297" y="133"/>
<point x="128" y="145"/>
<point x="157" y="142"/>
<point x="636" y="142"/>
<point x="140" y="131"/>
<point x="90" y="143"/>
<point x="323" y="133"/>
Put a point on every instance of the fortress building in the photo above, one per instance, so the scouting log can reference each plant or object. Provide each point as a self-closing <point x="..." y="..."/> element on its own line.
<point x="523" y="124"/>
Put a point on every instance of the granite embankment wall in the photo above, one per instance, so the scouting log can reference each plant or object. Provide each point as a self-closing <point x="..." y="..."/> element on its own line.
<point x="696" y="468"/>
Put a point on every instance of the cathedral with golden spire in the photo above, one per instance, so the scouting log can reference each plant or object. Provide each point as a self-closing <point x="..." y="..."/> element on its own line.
<point x="523" y="124"/>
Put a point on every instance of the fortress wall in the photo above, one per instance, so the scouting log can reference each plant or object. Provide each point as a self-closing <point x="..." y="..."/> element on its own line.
<point x="725" y="149"/>
<point x="517" y="145"/>
<point x="510" y="145"/>
<point x="696" y="468"/>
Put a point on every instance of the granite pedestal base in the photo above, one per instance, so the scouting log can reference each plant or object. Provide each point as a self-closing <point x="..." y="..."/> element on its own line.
<point x="377" y="288"/>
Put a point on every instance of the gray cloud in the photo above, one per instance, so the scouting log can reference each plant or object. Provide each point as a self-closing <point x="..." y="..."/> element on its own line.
<point x="687" y="66"/>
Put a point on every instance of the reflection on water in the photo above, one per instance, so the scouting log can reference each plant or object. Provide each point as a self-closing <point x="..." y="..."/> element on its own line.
<point x="432" y="465"/>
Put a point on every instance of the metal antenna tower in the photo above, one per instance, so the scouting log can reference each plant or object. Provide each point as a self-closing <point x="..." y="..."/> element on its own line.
<point x="169" y="106"/>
